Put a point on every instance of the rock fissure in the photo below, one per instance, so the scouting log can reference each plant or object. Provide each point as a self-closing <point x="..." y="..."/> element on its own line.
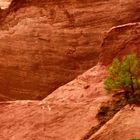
<point x="106" y="112"/>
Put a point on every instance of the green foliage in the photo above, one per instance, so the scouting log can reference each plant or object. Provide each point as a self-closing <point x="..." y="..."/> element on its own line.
<point x="134" y="139"/>
<point x="123" y="75"/>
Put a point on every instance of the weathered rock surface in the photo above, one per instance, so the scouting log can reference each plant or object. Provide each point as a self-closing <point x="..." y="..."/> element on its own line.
<point x="4" y="4"/>
<point x="44" y="44"/>
<point x="124" y="125"/>
<point x="120" y="41"/>
<point x="67" y="114"/>
<point x="36" y="52"/>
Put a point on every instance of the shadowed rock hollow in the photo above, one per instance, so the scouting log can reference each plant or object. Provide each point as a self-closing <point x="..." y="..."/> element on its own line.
<point x="46" y="43"/>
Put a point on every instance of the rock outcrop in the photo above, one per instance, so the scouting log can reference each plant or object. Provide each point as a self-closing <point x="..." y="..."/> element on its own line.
<point x="4" y="4"/>
<point x="66" y="114"/>
<point x="120" y="41"/>
<point x="124" y="125"/>
<point x="46" y="43"/>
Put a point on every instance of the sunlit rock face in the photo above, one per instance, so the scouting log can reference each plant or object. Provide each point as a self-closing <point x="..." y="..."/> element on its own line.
<point x="66" y="114"/>
<point x="4" y="4"/>
<point x="46" y="43"/>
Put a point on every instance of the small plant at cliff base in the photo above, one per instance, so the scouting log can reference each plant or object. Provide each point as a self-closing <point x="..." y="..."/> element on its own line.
<point x="124" y="75"/>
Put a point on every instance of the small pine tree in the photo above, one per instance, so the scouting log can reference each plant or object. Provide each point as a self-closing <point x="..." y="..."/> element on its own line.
<point x="123" y="75"/>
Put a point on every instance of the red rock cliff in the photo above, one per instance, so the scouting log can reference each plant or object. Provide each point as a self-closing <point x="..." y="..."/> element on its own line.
<point x="70" y="111"/>
<point x="119" y="41"/>
<point x="44" y="44"/>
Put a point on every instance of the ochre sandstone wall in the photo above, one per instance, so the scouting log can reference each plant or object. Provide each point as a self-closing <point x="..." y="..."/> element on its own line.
<point x="46" y="43"/>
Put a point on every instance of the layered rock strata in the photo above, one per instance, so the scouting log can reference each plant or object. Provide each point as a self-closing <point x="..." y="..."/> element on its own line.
<point x="70" y="111"/>
<point x="46" y="43"/>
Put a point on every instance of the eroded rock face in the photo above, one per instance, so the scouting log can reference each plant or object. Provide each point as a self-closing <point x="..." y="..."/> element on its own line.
<point x="4" y="4"/>
<point x="124" y="125"/>
<point x="44" y="44"/>
<point x="69" y="112"/>
<point x="66" y="114"/>
<point x="120" y="41"/>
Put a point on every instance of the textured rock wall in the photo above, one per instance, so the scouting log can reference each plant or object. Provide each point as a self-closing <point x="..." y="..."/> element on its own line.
<point x="66" y="114"/>
<point x="70" y="111"/>
<point x="4" y="4"/>
<point x="44" y="44"/>
<point x="117" y="129"/>
<point x="120" y="41"/>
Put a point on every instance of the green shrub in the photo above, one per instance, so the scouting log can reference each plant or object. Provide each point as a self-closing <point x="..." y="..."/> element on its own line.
<point x="123" y="75"/>
<point x="134" y="139"/>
